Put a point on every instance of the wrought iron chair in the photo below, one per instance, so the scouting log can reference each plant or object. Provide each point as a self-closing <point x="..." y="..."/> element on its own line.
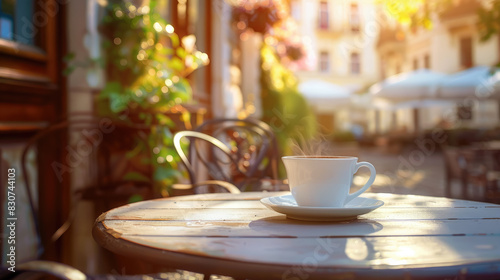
<point x="473" y="169"/>
<point x="102" y="188"/>
<point x="241" y="152"/>
<point x="455" y="168"/>
<point x="217" y="168"/>
<point x="253" y="142"/>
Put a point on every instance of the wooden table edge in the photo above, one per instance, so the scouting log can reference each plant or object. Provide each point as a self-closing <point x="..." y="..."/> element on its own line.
<point x="235" y="268"/>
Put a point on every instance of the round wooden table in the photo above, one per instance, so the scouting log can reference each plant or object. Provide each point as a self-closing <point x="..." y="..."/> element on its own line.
<point x="234" y="234"/>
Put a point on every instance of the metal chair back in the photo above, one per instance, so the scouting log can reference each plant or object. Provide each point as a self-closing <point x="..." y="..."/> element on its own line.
<point x="253" y="142"/>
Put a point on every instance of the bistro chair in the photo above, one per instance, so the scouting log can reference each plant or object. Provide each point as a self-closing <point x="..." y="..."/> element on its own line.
<point x="492" y="188"/>
<point x="217" y="159"/>
<point x="486" y="157"/>
<point x="472" y="168"/>
<point x="463" y="165"/>
<point x="455" y="169"/>
<point x="101" y="187"/>
<point x="253" y="142"/>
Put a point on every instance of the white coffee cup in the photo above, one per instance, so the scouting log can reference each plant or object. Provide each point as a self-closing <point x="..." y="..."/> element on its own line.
<point x="323" y="181"/>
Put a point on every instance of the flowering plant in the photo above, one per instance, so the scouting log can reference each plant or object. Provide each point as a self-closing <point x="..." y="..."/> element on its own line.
<point x="271" y="18"/>
<point x="293" y="50"/>
<point x="258" y="15"/>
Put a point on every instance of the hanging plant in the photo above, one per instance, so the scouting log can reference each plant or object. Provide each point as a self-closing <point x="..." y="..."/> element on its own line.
<point x="294" y="51"/>
<point x="258" y="15"/>
<point x="271" y="18"/>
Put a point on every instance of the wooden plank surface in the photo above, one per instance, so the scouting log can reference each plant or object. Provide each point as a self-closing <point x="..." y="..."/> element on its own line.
<point x="251" y="212"/>
<point x="393" y="253"/>
<point x="410" y="232"/>
<point x="390" y="200"/>
<point x="285" y="228"/>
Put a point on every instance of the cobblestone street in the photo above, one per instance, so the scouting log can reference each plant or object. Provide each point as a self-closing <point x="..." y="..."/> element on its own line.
<point x="396" y="173"/>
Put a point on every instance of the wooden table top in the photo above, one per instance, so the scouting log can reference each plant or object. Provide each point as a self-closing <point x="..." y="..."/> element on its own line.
<point x="234" y="234"/>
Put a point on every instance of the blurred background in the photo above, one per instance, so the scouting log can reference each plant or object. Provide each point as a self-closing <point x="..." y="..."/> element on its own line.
<point x="411" y="86"/>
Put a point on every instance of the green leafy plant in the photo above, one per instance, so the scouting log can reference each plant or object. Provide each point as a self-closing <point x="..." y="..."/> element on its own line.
<point x="489" y="20"/>
<point x="343" y="137"/>
<point x="146" y="62"/>
<point x="146" y="66"/>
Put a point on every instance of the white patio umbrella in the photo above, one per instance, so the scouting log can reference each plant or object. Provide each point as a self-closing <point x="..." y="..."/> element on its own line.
<point x="464" y="83"/>
<point x="418" y="84"/>
<point x="490" y="87"/>
<point x="427" y="103"/>
<point x="324" y="95"/>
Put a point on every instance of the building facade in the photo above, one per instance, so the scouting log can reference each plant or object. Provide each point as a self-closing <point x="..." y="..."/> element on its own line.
<point x="343" y="35"/>
<point x="451" y="45"/>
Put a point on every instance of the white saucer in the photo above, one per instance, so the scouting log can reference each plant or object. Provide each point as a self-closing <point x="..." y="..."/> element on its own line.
<point x="286" y="204"/>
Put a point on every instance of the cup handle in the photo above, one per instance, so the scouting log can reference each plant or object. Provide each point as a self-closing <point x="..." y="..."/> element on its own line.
<point x="373" y="173"/>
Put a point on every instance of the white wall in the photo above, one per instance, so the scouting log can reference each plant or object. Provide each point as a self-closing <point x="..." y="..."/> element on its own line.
<point x="220" y="60"/>
<point x="444" y="56"/>
<point x="486" y="52"/>
<point x="250" y="70"/>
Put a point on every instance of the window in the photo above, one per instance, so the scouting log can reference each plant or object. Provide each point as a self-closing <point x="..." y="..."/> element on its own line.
<point x="354" y="21"/>
<point x="355" y="64"/>
<point x="30" y="56"/>
<point x="415" y="64"/>
<point x="323" y="15"/>
<point x="466" y="52"/>
<point x="324" y="62"/>
<point x="14" y="21"/>
<point x="427" y="62"/>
